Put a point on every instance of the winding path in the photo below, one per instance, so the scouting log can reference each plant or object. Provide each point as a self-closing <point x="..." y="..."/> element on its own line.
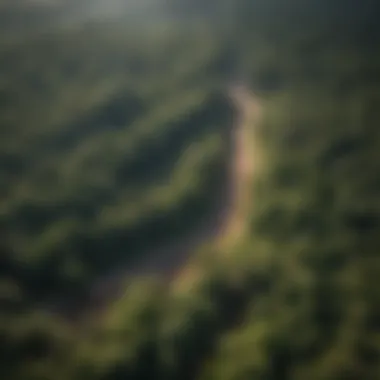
<point x="243" y="166"/>
<point x="244" y="163"/>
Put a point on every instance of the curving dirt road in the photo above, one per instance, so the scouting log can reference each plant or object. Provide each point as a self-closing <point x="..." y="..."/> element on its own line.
<point x="243" y="167"/>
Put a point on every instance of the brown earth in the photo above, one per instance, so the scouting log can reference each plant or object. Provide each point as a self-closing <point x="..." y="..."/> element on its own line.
<point x="243" y="167"/>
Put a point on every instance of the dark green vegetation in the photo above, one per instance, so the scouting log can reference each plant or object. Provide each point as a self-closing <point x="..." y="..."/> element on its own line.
<point x="107" y="148"/>
<point x="94" y="122"/>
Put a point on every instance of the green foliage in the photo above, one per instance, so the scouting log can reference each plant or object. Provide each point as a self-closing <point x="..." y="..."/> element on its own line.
<point x="114" y="141"/>
<point x="94" y="123"/>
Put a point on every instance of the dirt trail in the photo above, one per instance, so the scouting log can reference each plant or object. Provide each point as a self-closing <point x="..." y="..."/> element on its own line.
<point x="243" y="167"/>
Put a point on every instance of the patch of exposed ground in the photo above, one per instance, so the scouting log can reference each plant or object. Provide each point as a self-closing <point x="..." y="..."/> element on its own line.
<point x="245" y="163"/>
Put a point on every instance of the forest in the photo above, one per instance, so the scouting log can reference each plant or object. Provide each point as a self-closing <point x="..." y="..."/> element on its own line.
<point x="116" y="143"/>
